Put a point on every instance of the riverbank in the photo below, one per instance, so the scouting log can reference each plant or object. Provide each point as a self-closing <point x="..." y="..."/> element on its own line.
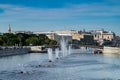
<point x="90" y="46"/>
<point x="10" y="52"/>
<point x="18" y="50"/>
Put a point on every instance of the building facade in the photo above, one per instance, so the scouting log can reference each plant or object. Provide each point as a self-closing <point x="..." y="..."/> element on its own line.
<point x="101" y="36"/>
<point x="77" y="36"/>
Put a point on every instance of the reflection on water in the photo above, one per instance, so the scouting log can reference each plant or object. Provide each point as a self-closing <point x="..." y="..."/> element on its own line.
<point x="76" y="66"/>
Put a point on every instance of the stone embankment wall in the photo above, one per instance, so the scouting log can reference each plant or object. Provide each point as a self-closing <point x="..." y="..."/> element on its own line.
<point x="9" y="52"/>
<point x="37" y="49"/>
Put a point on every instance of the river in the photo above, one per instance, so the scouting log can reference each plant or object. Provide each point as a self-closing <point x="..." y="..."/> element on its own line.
<point x="77" y="66"/>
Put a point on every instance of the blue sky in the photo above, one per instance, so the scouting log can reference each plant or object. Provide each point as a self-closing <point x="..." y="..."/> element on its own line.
<point x="50" y="15"/>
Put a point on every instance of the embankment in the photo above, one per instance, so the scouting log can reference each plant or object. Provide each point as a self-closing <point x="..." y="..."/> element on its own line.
<point x="10" y="52"/>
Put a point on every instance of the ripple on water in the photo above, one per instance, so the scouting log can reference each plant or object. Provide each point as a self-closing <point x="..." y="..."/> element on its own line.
<point x="73" y="67"/>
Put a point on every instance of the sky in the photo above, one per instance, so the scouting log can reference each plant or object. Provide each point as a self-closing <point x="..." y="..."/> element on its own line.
<point x="51" y="15"/>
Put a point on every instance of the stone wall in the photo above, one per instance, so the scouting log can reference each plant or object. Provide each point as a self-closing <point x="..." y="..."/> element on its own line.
<point x="9" y="52"/>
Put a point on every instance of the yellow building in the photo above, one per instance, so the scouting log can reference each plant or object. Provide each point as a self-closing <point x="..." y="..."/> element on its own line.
<point x="108" y="36"/>
<point x="51" y="36"/>
<point x="79" y="36"/>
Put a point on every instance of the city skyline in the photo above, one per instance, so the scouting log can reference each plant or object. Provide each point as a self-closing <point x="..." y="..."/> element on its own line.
<point x="50" y="15"/>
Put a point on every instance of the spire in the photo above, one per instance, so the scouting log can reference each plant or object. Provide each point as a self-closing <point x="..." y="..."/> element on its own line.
<point x="9" y="29"/>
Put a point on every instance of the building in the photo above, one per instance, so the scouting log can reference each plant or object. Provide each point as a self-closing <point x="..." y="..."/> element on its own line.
<point x="66" y="32"/>
<point x="66" y="37"/>
<point x="77" y="36"/>
<point x="84" y="38"/>
<point x="101" y="36"/>
<point x="59" y="37"/>
<point x="24" y="32"/>
<point x="51" y="36"/>
<point x="70" y="36"/>
<point x="116" y="41"/>
<point x="46" y="33"/>
<point x="88" y="40"/>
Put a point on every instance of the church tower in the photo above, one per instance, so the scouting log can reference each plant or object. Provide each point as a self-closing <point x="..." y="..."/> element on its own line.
<point x="9" y="29"/>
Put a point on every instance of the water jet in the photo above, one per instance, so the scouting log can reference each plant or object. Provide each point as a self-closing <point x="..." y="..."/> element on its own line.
<point x="50" y="57"/>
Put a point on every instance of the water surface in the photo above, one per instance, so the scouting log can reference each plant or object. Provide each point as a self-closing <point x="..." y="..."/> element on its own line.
<point x="77" y="66"/>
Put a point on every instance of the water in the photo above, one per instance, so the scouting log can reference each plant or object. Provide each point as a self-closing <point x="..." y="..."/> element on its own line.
<point x="57" y="53"/>
<point x="77" y="66"/>
<point x="69" y="50"/>
<point x="63" y="45"/>
<point x="11" y="62"/>
<point x="50" y="56"/>
<point x="65" y="51"/>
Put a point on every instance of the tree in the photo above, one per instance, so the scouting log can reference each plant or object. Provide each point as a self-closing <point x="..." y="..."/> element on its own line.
<point x="47" y="41"/>
<point x="9" y="39"/>
<point x="1" y="41"/>
<point x="20" y="39"/>
<point x="32" y="40"/>
<point x="52" y="42"/>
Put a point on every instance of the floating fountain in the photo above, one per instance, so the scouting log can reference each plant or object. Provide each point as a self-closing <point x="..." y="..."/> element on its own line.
<point x="57" y="53"/>
<point x="50" y="57"/>
<point x="69" y="50"/>
<point x="22" y="69"/>
<point x="64" y="48"/>
<point x="63" y="45"/>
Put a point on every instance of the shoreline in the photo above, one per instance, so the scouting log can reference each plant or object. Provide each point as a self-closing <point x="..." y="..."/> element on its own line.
<point x="8" y="51"/>
<point x="11" y="52"/>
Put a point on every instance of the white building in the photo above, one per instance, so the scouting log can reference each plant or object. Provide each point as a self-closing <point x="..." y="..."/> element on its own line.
<point x="59" y="37"/>
<point x="25" y="32"/>
<point x="101" y="35"/>
<point x="46" y="33"/>
<point x="66" y="32"/>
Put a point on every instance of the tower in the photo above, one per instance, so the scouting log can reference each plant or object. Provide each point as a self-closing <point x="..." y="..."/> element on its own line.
<point x="9" y="29"/>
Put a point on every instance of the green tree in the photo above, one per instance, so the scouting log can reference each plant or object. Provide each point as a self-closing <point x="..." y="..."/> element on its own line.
<point x="1" y="41"/>
<point x="9" y="39"/>
<point x="52" y="42"/>
<point x="32" y="40"/>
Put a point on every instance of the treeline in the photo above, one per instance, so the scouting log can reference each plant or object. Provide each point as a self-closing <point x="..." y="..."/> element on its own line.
<point x="20" y="39"/>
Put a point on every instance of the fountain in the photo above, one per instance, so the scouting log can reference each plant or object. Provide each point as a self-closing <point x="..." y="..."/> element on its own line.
<point x="69" y="50"/>
<point x="57" y="53"/>
<point x="64" y="49"/>
<point x="50" y="57"/>
<point x="63" y="45"/>
<point x="22" y="70"/>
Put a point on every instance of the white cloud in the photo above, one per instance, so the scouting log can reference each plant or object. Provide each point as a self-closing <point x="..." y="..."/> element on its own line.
<point x="28" y="12"/>
<point x="22" y="12"/>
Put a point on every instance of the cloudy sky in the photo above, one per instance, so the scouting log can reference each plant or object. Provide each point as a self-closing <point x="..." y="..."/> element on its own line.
<point x="50" y="15"/>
